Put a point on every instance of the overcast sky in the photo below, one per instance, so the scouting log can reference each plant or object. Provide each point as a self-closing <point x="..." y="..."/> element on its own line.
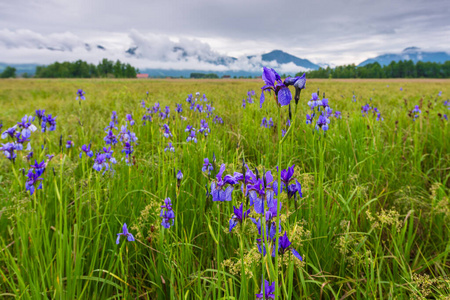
<point x="323" y="31"/>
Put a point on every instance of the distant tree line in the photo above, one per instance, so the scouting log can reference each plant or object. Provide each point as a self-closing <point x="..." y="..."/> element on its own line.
<point x="8" y="72"/>
<point x="81" y="69"/>
<point x="400" y="69"/>
<point x="203" y="75"/>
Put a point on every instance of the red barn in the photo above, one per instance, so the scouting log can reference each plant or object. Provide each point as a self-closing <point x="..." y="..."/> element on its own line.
<point x="144" y="75"/>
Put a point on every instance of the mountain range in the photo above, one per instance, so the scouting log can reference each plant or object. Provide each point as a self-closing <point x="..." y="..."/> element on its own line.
<point x="411" y="53"/>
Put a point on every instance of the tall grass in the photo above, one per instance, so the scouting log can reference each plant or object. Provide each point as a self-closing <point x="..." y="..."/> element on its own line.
<point x="373" y="221"/>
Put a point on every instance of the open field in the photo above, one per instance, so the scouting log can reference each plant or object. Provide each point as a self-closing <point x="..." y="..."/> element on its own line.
<point x="372" y="222"/>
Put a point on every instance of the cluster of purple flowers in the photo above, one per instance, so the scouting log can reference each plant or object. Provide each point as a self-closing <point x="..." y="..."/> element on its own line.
<point x="267" y="123"/>
<point x="34" y="175"/>
<point x="324" y="112"/>
<point x="167" y="214"/>
<point x="169" y="147"/>
<point x="416" y="112"/>
<point x="204" y="129"/>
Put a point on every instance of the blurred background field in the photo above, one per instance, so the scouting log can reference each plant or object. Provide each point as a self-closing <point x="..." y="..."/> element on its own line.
<point x="384" y="184"/>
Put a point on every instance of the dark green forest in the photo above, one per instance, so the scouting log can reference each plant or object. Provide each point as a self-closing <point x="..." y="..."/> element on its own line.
<point x="400" y="69"/>
<point x="81" y="69"/>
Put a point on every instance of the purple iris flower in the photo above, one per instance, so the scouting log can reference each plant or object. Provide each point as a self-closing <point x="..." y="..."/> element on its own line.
<point x="156" y="107"/>
<point x="169" y="147"/>
<point x="167" y="214"/>
<point x="125" y="233"/>
<point x="9" y="132"/>
<point x="315" y="101"/>
<point x="8" y="149"/>
<point x="146" y="118"/>
<point x="21" y="138"/>
<point x="445" y="117"/>
<point x="365" y="109"/>
<point x="270" y="235"/>
<point x="401" y="89"/>
<point x="416" y="111"/>
<point x="51" y="122"/>
<point x="69" y="144"/>
<point x="127" y="149"/>
<point x="167" y="132"/>
<point x="262" y="192"/>
<point x="127" y="136"/>
<point x="87" y="150"/>
<point x="33" y="177"/>
<point x="204" y="128"/>
<point x="80" y="95"/>
<point x="114" y="117"/>
<point x="218" y="119"/>
<point x="179" y="108"/>
<point x="189" y="99"/>
<point x="270" y="123"/>
<point x="108" y="153"/>
<point x="111" y="126"/>
<point x="162" y="115"/>
<point x="26" y="124"/>
<point x="207" y="166"/>
<point x="294" y="189"/>
<point x="309" y="118"/>
<point x="189" y="128"/>
<point x="379" y="117"/>
<point x="298" y="82"/>
<point x="239" y="216"/>
<point x="40" y="113"/>
<point x="100" y="162"/>
<point x="143" y="103"/>
<point x="244" y="102"/>
<point x="30" y="156"/>
<point x="179" y="175"/>
<point x="440" y="94"/>
<point x="110" y="138"/>
<point x="192" y="137"/>
<point x="264" y="122"/>
<point x="284" y="245"/>
<point x="273" y="83"/>
<point x="267" y="291"/>
<point x="337" y="114"/>
<point x="217" y="187"/>
<point x="322" y="123"/>
<point x="286" y="175"/>
<point x="130" y="118"/>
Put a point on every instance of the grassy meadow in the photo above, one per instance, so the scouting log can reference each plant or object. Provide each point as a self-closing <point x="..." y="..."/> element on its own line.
<point x="372" y="222"/>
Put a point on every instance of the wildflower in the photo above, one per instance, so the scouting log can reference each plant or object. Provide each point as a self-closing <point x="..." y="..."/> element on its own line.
<point x="264" y="122"/>
<point x="207" y="166"/>
<point x="337" y="115"/>
<point x="239" y="216"/>
<point x="111" y="126"/>
<point x="261" y="192"/>
<point x="80" y="95"/>
<point x="127" y="149"/>
<point x="130" y="118"/>
<point x="447" y="104"/>
<point x="322" y="123"/>
<point x="114" y="118"/>
<point x="167" y="213"/>
<point x="30" y="155"/>
<point x="86" y="150"/>
<point x="143" y="103"/>
<point x="26" y="125"/>
<point x="244" y="102"/>
<point x="309" y="118"/>
<point x="401" y="89"/>
<point x="218" y="119"/>
<point x="9" y="132"/>
<point x="267" y="291"/>
<point x="100" y="162"/>
<point x="125" y="233"/>
<point x="416" y="111"/>
<point x="8" y="149"/>
<point x="315" y="101"/>
<point x="440" y="94"/>
<point x="167" y="132"/>
<point x="286" y="175"/>
<point x="52" y="122"/>
<point x="179" y="175"/>
<point x="270" y="123"/>
<point x="204" y="128"/>
<point x="69" y="144"/>
<point x="273" y="83"/>
<point x="217" y="187"/>
<point x="189" y="128"/>
<point x="33" y="177"/>
<point x="293" y="189"/>
<point x="110" y="138"/>
<point x="40" y="114"/>
<point x="169" y="147"/>
<point x="179" y="108"/>
<point x="21" y="138"/>
<point x="192" y="137"/>
<point x="285" y="245"/>
<point x="379" y="117"/>
<point x="299" y="83"/>
<point x="365" y="109"/>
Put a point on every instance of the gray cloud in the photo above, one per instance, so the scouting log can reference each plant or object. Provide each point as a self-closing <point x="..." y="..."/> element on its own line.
<point x="344" y="31"/>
